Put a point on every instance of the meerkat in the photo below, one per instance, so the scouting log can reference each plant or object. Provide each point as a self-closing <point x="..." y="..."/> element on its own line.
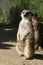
<point x="25" y="35"/>
<point x="36" y="30"/>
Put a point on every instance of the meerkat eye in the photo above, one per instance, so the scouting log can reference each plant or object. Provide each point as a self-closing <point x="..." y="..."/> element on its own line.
<point x="23" y="12"/>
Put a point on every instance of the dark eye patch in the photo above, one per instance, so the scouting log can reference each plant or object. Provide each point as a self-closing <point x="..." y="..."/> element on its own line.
<point x="27" y="14"/>
<point x="23" y="12"/>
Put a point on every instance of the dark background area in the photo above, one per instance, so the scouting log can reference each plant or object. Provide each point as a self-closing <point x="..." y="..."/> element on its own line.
<point x="10" y="10"/>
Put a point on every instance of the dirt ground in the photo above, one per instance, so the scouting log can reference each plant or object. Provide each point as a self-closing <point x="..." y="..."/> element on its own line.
<point x="8" y="53"/>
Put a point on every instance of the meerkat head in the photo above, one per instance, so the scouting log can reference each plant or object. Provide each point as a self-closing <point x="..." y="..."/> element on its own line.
<point x="27" y="14"/>
<point x="35" y="15"/>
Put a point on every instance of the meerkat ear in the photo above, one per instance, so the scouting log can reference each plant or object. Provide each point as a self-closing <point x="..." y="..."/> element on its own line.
<point x="32" y="14"/>
<point x="35" y="15"/>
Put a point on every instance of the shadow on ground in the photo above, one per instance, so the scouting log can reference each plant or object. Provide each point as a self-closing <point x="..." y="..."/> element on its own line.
<point x="6" y="46"/>
<point x="38" y="56"/>
<point x="7" y="34"/>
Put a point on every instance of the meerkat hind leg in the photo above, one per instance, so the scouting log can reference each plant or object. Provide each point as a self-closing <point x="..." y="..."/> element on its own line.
<point x="28" y="51"/>
<point x="20" y="48"/>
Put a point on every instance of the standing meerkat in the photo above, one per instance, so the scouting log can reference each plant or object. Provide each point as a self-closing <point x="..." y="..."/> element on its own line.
<point x="35" y="23"/>
<point x="25" y="35"/>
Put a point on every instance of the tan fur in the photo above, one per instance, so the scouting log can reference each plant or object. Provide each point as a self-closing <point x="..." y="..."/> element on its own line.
<point x="29" y="48"/>
<point x="36" y="30"/>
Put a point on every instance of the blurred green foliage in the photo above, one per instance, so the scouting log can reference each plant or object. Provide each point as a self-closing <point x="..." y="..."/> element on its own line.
<point x="10" y="10"/>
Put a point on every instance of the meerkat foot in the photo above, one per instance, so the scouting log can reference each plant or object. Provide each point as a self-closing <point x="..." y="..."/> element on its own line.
<point x="21" y="55"/>
<point x="28" y="58"/>
<point x="20" y="52"/>
<point x="36" y="47"/>
<point x="39" y="48"/>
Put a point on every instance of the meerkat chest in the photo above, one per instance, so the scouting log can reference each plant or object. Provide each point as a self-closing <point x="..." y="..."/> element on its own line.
<point x="25" y="24"/>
